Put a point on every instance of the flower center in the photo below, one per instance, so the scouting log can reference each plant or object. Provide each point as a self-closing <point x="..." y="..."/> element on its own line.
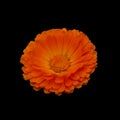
<point x="59" y="64"/>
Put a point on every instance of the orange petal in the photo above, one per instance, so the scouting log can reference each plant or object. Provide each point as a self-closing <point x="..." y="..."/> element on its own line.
<point x="37" y="80"/>
<point x="58" y="93"/>
<point x="26" y="69"/>
<point x="68" y="82"/>
<point x="50" y="84"/>
<point x="76" y="43"/>
<point x="44" y="83"/>
<point x="29" y="47"/>
<point x="36" y="88"/>
<point x="56" y="86"/>
<point x="27" y="76"/>
<point x="46" y="91"/>
<point x="59" y="80"/>
<point x="79" y="85"/>
<point x="69" y="89"/>
<point x="62" y="88"/>
<point x="75" y="82"/>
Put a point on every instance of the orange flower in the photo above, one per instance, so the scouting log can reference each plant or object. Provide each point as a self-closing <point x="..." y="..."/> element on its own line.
<point x="59" y="60"/>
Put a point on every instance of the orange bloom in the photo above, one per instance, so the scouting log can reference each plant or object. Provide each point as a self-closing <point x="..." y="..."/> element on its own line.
<point x="59" y="60"/>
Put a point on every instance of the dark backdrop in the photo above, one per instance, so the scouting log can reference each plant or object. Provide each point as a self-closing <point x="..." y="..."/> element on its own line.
<point x="25" y="22"/>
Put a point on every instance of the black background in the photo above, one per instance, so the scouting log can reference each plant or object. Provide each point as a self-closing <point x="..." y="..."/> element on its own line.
<point x="25" y="22"/>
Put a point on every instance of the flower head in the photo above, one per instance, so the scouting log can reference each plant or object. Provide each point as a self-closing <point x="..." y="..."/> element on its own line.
<point x="59" y="60"/>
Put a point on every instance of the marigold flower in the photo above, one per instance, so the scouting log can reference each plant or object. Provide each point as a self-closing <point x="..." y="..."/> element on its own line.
<point x="59" y="60"/>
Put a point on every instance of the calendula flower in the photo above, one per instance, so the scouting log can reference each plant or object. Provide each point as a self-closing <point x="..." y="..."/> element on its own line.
<point x="59" y="60"/>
